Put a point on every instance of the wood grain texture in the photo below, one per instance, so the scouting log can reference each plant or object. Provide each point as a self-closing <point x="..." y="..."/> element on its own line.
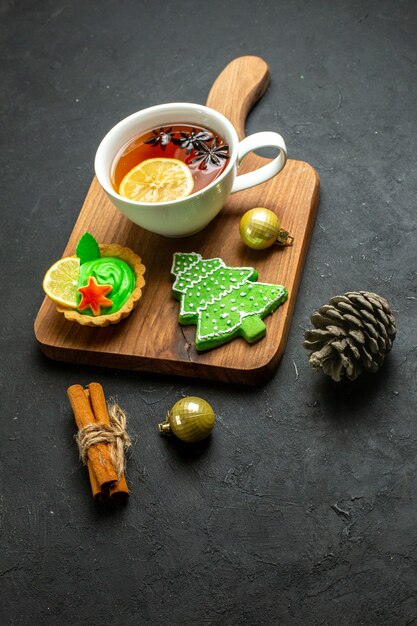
<point x="151" y="339"/>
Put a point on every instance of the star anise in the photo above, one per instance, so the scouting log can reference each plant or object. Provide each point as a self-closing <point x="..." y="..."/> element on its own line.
<point x="212" y="154"/>
<point x="161" y="137"/>
<point x="192" y="141"/>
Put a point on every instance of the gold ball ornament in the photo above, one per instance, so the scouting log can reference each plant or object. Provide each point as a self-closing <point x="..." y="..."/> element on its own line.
<point x="191" y="419"/>
<point x="260" y="228"/>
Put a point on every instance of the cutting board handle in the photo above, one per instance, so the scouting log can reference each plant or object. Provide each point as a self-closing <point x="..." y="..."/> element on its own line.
<point x="237" y="88"/>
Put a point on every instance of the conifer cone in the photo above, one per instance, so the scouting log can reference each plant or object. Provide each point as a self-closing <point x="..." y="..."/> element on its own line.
<point x="351" y="335"/>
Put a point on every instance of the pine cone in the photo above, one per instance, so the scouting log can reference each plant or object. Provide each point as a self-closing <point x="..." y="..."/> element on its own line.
<point x="351" y="334"/>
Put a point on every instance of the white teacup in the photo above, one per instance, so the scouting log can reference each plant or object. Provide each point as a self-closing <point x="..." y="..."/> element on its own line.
<point x="188" y="215"/>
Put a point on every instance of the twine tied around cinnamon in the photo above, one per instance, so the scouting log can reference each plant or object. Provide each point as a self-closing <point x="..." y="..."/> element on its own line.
<point x="114" y="434"/>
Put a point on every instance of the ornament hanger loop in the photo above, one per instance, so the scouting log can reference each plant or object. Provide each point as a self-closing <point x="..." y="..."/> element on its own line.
<point x="284" y="238"/>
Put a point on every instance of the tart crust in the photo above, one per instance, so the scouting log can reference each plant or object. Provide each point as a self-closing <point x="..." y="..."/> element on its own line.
<point x="135" y="262"/>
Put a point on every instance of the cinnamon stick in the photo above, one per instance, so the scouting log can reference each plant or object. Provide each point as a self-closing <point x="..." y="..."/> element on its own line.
<point x="119" y="491"/>
<point x="99" y="462"/>
<point x="99" y="494"/>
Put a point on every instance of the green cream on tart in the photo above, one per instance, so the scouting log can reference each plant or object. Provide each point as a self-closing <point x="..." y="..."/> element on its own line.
<point x="104" y="286"/>
<point x="104" y="283"/>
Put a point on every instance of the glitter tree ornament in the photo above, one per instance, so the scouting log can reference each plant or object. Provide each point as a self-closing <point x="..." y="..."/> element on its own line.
<point x="191" y="419"/>
<point x="259" y="228"/>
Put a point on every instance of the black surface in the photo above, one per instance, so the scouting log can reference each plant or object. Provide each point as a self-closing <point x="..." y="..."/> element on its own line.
<point x="301" y="508"/>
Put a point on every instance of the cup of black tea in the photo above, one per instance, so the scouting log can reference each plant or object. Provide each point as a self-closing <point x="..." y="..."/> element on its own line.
<point x="170" y="168"/>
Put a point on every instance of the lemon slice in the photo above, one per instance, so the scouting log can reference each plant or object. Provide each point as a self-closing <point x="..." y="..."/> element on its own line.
<point x="157" y="180"/>
<point x="60" y="281"/>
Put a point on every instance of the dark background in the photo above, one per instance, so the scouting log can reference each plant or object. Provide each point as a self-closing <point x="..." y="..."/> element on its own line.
<point x="301" y="508"/>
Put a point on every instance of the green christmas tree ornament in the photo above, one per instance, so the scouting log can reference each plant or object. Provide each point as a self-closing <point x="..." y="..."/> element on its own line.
<point x="224" y="302"/>
<point x="191" y="419"/>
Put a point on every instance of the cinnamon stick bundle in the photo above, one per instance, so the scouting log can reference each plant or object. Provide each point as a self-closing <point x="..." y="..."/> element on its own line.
<point x="98" y="442"/>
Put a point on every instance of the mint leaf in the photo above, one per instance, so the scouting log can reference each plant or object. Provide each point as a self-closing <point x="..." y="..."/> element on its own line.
<point x="87" y="248"/>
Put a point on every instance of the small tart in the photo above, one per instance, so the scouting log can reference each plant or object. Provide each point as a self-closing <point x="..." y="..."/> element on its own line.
<point x="132" y="259"/>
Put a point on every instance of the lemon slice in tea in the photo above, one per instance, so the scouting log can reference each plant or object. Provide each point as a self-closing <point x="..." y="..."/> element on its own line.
<point x="157" y="180"/>
<point x="60" y="281"/>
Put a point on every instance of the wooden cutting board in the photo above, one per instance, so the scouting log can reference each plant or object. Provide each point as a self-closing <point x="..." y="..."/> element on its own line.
<point x="151" y="339"/>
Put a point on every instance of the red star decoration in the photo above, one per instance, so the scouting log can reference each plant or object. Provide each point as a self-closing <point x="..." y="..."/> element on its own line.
<point x="93" y="296"/>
